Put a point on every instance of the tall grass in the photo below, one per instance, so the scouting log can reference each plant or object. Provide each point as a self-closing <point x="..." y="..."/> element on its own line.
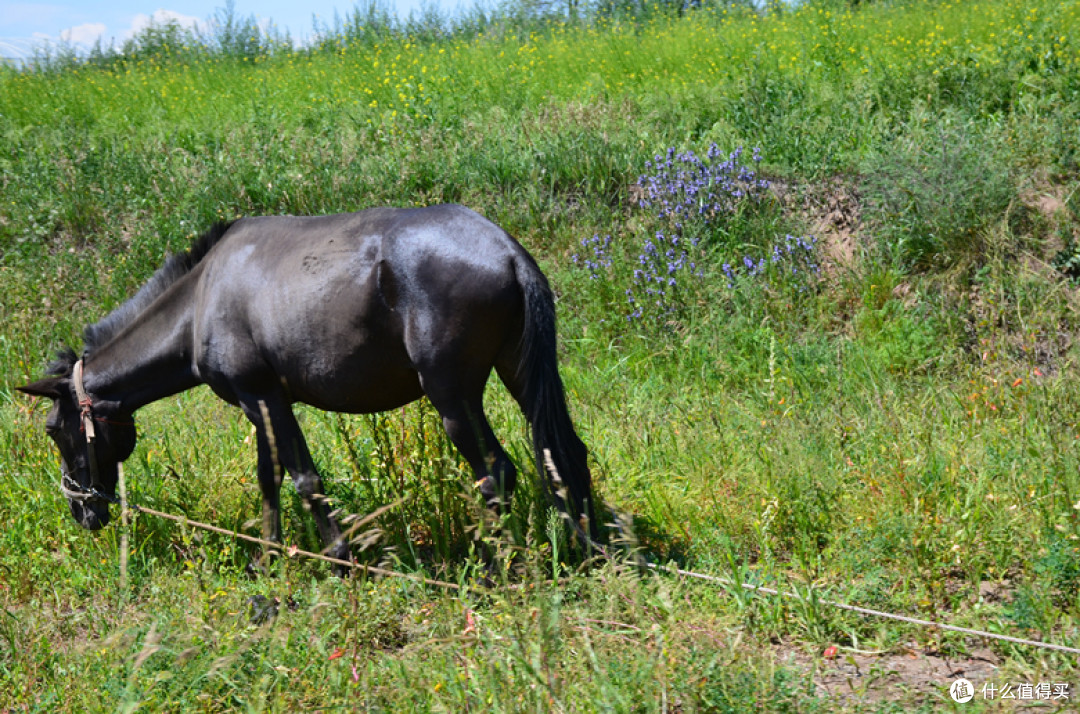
<point x="899" y="430"/>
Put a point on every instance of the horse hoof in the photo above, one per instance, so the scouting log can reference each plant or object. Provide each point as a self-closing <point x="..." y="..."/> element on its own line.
<point x="262" y="609"/>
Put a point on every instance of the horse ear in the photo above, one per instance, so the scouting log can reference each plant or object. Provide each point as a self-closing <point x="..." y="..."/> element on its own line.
<point x="48" y="387"/>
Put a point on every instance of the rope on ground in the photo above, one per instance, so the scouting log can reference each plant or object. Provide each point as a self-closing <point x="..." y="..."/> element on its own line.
<point x="867" y="611"/>
<point x="727" y="582"/>
<point x="296" y="552"/>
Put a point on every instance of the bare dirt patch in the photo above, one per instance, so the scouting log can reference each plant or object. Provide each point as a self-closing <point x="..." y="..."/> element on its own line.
<point x="1051" y="202"/>
<point x="833" y="212"/>
<point x="860" y="681"/>
<point x="916" y="678"/>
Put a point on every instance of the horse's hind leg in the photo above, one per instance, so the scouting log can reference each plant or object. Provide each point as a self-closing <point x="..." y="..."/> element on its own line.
<point x="462" y="412"/>
<point x="285" y="447"/>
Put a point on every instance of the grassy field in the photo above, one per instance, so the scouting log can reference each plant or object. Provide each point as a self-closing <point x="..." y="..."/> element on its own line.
<point x="858" y="383"/>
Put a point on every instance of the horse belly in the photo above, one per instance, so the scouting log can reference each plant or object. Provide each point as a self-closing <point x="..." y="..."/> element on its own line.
<point x="359" y="384"/>
<point x="346" y="356"/>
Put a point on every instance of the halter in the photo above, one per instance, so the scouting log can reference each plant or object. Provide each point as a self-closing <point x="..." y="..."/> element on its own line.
<point x="84" y="402"/>
<point x="75" y="491"/>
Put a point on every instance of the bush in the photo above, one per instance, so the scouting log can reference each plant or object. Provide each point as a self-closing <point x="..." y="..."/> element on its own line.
<point x="931" y="199"/>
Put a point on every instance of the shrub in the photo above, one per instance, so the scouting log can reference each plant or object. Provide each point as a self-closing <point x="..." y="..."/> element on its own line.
<point x="930" y="203"/>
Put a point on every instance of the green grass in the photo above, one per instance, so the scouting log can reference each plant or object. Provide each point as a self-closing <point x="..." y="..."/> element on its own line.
<point x="900" y="432"/>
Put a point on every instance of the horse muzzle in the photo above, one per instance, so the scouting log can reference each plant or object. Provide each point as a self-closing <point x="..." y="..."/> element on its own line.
<point x="92" y="513"/>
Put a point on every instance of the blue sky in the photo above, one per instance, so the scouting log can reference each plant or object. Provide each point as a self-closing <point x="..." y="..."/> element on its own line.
<point x="82" y="21"/>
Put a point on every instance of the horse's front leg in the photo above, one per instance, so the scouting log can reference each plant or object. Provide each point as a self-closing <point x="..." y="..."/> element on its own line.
<point x="270" y="473"/>
<point x="287" y="449"/>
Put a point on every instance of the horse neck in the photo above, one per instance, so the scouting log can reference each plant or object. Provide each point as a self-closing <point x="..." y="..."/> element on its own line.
<point x="148" y="360"/>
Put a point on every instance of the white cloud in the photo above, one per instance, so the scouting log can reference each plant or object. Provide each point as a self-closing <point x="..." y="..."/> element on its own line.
<point x="15" y="47"/>
<point x="160" y="17"/>
<point x="83" y="35"/>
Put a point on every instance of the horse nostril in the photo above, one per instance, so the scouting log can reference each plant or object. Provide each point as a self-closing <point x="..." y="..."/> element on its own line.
<point x="96" y="521"/>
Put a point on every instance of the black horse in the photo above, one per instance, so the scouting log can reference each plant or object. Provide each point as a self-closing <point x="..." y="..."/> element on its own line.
<point x="358" y="312"/>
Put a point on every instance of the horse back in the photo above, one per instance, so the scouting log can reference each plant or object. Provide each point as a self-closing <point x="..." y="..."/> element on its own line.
<point x="329" y="305"/>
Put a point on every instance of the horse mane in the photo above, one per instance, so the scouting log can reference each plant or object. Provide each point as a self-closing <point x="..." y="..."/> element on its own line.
<point x="64" y="363"/>
<point x="175" y="267"/>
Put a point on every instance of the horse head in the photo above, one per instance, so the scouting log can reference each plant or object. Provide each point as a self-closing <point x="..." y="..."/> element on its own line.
<point x="91" y="442"/>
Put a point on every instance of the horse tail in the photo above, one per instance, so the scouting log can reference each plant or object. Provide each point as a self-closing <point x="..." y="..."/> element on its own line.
<point x="539" y="391"/>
